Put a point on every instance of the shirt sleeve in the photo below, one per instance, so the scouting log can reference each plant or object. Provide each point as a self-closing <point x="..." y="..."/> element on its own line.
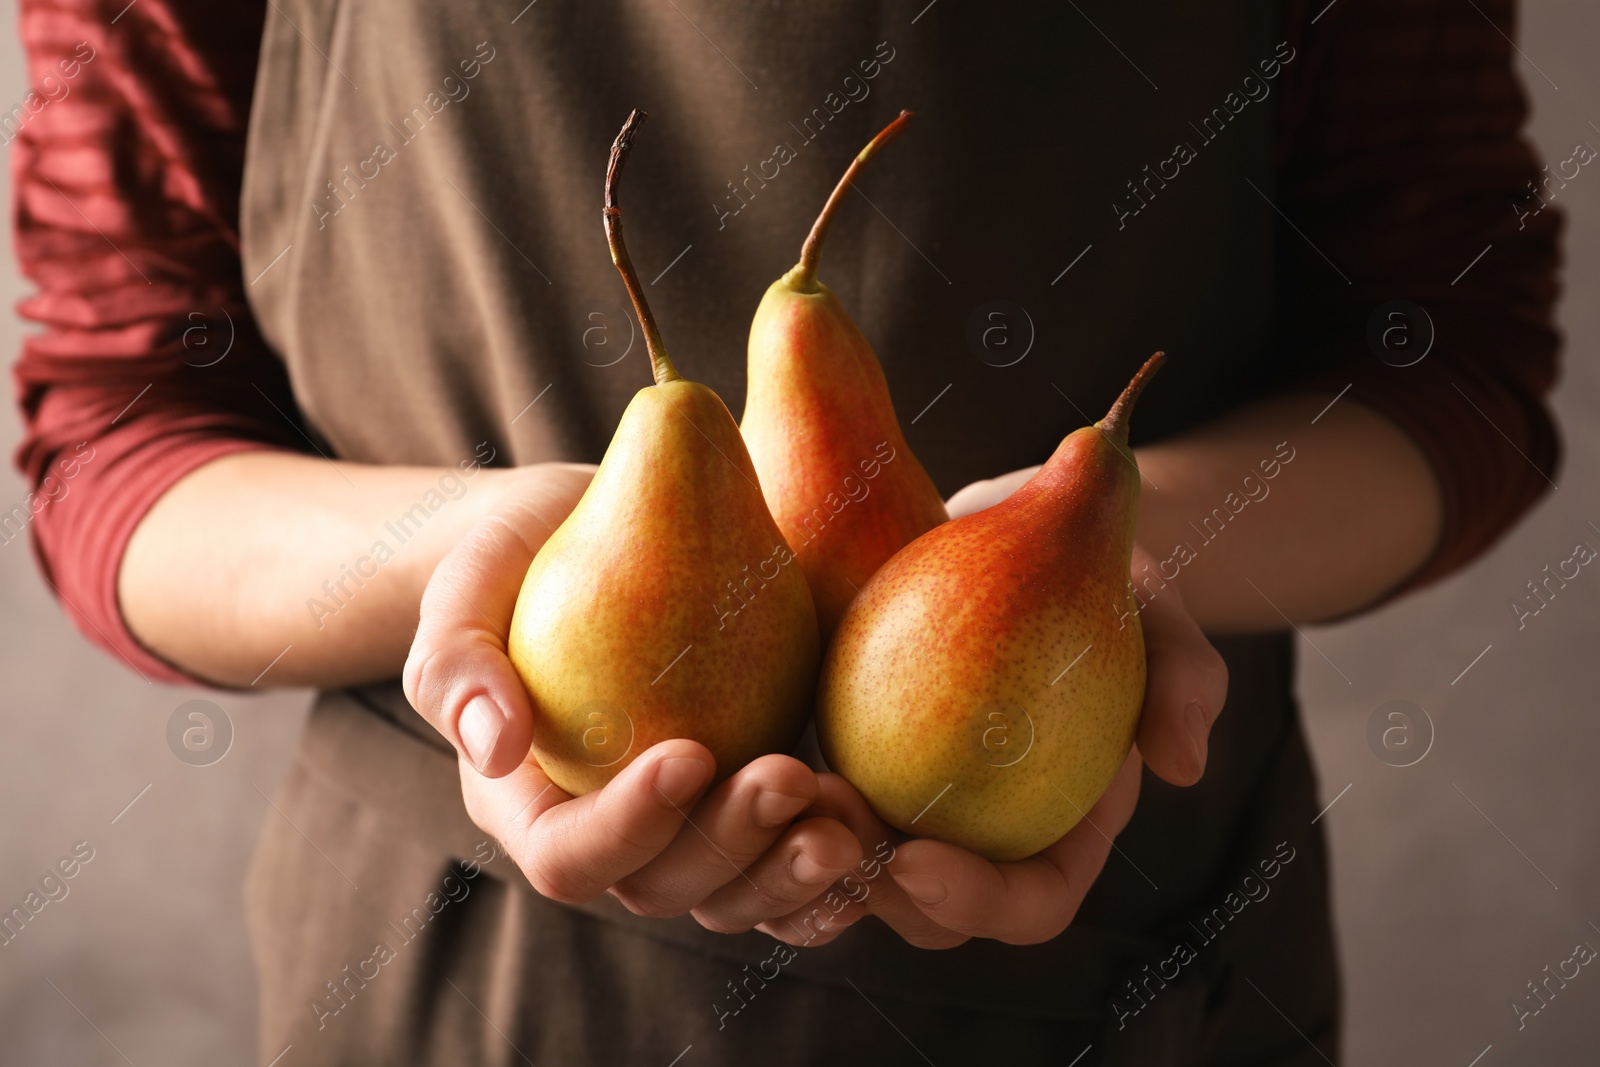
<point x="127" y="156"/>
<point x="1404" y="176"/>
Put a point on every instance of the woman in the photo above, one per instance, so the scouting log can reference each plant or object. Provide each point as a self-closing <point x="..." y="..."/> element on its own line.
<point x="385" y="220"/>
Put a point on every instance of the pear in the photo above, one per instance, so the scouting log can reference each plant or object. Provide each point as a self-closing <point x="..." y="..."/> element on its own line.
<point x="667" y="604"/>
<point x="985" y="686"/>
<point x="821" y="429"/>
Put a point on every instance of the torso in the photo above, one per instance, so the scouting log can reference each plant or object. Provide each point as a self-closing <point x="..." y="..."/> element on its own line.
<point x="453" y="288"/>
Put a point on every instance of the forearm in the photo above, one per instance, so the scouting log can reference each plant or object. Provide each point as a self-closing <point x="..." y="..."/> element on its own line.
<point x="254" y="554"/>
<point x="1351" y="513"/>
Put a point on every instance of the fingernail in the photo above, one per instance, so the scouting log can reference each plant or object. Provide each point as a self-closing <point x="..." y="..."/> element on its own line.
<point x="681" y="777"/>
<point x="808" y="871"/>
<point x="772" y="809"/>
<point x="922" y="888"/>
<point x="1194" y="720"/>
<point x="479" y="727"/>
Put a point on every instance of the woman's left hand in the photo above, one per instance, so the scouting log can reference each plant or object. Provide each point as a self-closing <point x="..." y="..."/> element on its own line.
<point x="938" y="895"/>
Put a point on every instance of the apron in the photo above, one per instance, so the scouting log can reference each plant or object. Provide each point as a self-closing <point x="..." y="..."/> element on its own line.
<point x="422" y="191"/>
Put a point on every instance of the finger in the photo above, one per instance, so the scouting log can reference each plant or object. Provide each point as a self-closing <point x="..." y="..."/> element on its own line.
<point x="987" y="493"/>
<point x="575" y="851"/>
<point x="838" y="799"/>
<point x="1024" y="902"/>
<point x="809" y="857"/>
<point x="900" y="913"/>
<point x="819" y="921"/>
<point x="727" y="831"/>
<point x="1105" y="820"/>
<point x="1187" y="684"/>
<point x="457" y="675"/>
<point x="890" y="903"/>
<point x="816" y="922"/>
<point x="507" y="807"/>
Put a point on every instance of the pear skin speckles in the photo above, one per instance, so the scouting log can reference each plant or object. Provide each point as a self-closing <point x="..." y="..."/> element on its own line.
<point x="622" y="634"/>
<point x="985" y="687"/>
<point x="821" y="428"/>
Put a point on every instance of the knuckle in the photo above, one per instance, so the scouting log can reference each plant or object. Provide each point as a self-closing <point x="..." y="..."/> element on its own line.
<point x="648" y="903"/>
<point x="769" y="900"/>
<point x="552" y="876"/>
<point x="499" y="525"/>
<point x="621" y="829"/>
<point x="418" y="677"/>
<point x="632" y="838"/>
<point x="554" y="882"/>
<point x="825" y="936"/>
<point x="480" y="817"/>
<point x="938" y="939"/>
<point x="1053" y="925"/>
<point x="820" y="923"/>
<point x="497" y="834"/>
<point x="791" y="935"/>
<point x="719" y="923"/>
<point x="1035" y="934"/>
<point x="1053" y="909"/>
<point x="1216" y="667"/>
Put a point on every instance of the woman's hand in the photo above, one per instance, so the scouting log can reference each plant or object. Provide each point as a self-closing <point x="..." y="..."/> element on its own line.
<point x="653" y="837"/>
<point x="939" y="895"/>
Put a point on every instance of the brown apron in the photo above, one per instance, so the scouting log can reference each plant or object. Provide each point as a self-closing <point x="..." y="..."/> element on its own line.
<point x="423" y="181"/>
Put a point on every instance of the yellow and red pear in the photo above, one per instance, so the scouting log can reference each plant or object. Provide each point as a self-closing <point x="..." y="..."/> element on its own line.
<point x="985" y="687"/>
<point x="619" y="634"/>
<point x="835" y="468"/>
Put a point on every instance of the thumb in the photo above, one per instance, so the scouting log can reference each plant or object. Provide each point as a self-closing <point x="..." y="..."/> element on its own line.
<point x="1186" y="686"/>
<point x="987" y="493"/>
<point x="457" y="675"/>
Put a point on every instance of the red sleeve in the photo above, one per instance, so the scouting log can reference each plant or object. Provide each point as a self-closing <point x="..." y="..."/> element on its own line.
<point x="126" y="165"/>
<point x="1404" y="169"/>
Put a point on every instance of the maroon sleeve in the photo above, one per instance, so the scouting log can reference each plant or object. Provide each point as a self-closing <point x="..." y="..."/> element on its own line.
<point x="126" y="163"/>
<point x="1404" y="175"/>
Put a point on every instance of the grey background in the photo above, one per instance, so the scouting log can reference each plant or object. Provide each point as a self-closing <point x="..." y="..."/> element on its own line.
<point x="1457" y="879"/>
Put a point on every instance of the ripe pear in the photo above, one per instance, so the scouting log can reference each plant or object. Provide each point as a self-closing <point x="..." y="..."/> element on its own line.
<point x="621" y="633"/>
<point x="985" y="686"/>
<point x="821" y="429"/>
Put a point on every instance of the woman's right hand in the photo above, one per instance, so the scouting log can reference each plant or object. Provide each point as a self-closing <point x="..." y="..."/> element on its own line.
<point x="654" y="837"/>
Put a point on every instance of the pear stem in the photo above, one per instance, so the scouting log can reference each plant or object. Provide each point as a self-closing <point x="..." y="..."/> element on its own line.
<point x="1115" y="424"/>
<point x="660" y="365"/>
<point x="804" y="276"/>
